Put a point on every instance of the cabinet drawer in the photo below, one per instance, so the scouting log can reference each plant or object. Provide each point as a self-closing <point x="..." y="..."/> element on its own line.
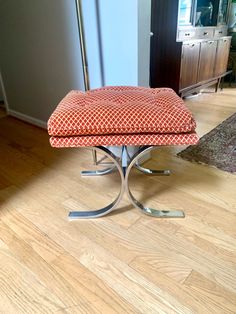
<point x="186" y="34"/>
<point x="205" y="33"/>
<point x="220" y="32"/>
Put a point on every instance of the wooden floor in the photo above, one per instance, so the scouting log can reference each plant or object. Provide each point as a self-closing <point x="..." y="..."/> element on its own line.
<point x="126" y="262"/>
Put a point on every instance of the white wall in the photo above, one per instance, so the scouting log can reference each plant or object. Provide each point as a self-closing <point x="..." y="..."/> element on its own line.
<point x="124" y="31"/>
<point x="144" y="27"/>
<point x="119" y="28"/>
<point x="92" y="38"/>
<point x="40" y="54"/>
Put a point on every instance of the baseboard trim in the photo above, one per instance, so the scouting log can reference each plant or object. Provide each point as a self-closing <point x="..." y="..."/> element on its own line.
<point x="29" y="119"/>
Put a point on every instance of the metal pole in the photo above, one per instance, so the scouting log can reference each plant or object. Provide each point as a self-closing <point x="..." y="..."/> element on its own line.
<point x="82" y="43"/>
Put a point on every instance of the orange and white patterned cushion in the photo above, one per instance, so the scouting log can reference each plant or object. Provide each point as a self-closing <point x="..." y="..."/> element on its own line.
<point x="121" y="110"/>
<point x="124" y="139"/>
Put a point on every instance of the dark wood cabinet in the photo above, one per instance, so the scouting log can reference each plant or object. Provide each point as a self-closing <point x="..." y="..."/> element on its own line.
<point x="222" y="55"/>
<point x="185" y="54"/>
<point x="189" y="64"/>
<point x="207" y="59"/>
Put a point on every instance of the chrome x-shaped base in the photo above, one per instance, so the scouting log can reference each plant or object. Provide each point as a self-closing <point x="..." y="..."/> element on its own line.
<point x="124" y="164"/>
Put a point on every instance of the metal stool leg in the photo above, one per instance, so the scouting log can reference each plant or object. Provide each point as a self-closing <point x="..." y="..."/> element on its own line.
<point x="92" y="173"/>
<point x="124" y="164"/>
<point x="107" y="209"/>
<point x="151" y="171"/>
<point x="135" y="202"/>
<point x="96" y="162"/>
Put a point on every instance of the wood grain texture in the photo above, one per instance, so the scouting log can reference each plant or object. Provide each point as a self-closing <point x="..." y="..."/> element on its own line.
<point x="189" y="64"/>
<point x="126" y="262"/>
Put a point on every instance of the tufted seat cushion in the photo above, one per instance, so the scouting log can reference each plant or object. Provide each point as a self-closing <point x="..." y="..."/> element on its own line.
<point x="122" y="115"/>
<point x="120" y="110"/>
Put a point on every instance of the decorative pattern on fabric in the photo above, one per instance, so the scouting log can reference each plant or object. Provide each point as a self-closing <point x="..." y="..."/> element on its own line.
<point x="125" y="139"/>
<point x="121" y="110"/>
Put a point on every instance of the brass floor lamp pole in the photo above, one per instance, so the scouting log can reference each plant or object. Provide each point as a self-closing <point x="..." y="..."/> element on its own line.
<point x="82" y="43"/>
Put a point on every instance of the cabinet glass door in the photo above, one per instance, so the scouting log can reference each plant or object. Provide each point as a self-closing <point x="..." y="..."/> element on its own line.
<point x="223" y="12"/>
<point x="185" y="12"/>
<point x="206" y="13"/>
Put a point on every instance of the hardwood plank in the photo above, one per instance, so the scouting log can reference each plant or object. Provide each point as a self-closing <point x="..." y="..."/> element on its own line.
<point x="224" y="301"/>
<point x="208" y="246"/>
<point x="96" y="295"/>
<point x="128" y="243"/>
<point x="4" y="182"/>
<point x="38" y="266"/>
<point x="196" y="301"/>
<point x="202" y="182"/>
<point x="20" y="288"/>
<point x="200" y="260"/>
<point x="142" y="294"/>
<point x="220" y="239"/>
<point x="77" y="285"/>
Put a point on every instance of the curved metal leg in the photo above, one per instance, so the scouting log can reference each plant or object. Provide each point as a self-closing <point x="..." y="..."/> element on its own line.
<point x="147" y="170"/>
<point x="107" y="209"/>
<point x="94" y="154"/>
<point x="151" y="171"/>
<point x="149" y="211"/>
<point x="96" y="162"/>
<point x="92" y="173"/>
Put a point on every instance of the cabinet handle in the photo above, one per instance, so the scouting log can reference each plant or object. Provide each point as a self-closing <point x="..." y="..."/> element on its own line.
<point x="220" y="32"/>
<point x="210" y="42"/>
<point x="205" y="33"/>
<point x="187" y="34"/>
<point x="192" y="45"/>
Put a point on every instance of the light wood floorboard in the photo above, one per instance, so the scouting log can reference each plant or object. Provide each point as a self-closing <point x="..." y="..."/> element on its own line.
<point x="126" y="262"/>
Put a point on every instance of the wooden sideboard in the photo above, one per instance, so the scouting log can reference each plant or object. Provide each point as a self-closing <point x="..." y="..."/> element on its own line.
<point x="185" y="58"/>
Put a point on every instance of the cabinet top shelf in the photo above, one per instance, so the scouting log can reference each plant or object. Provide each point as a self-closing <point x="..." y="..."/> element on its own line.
<point x="203" y="13"/>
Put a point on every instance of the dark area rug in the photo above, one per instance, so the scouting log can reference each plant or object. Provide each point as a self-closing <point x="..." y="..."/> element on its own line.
<point x="216" y="148"/>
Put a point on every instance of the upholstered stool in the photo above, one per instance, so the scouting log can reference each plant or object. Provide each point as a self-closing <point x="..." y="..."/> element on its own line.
<point x="122" y="116"/>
